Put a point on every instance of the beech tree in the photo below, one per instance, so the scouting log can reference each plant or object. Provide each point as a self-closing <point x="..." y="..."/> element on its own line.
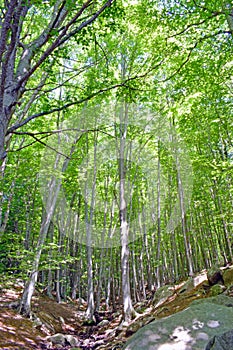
<point x="128" y="310"/>
<point x="32" y="35"/>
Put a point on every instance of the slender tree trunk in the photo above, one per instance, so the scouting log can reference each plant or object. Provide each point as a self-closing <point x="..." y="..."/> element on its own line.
<point x="128" y="310"/>
<point x="25" y="303"/>
<point x="188" y="252"/>
<point x="226" y="237"/>
<point x="141" y="266"/>
<point x="4" y="216"/>
<point x="102" y="255"/>
<point x="75" y="252"/>
<point x="58" y="284"/>
<point x="51" y="200"/>
<point x="158" y="221"/>
<point x="50" y="272"/>
<point x="135" y="283"/>
<point x="110" y="281"/>
<point x="90" y="289"/>
<point x="89" y="220"/>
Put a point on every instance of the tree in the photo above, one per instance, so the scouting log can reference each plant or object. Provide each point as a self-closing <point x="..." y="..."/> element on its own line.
<point x="128" y="310"/>
<point x="53" y="190"/>
<point x="23" y="53"/>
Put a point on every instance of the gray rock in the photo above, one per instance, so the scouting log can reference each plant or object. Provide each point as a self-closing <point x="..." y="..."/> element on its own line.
<point x="162" y="294"/>
<point x="57" y="339"/>
<point x="221" y="299"/>
<point x="190" y="329"/>
<point x="189" y="285"/>
<point x="72" y="340"/>
<point x="221" y="342"/>
<point x="103" y="323"/>
<point x="63" y="339"/>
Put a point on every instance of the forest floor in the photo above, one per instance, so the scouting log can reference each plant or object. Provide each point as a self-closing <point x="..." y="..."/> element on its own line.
<point x="49" y="318"/>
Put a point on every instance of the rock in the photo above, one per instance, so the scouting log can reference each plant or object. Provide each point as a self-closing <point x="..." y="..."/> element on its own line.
<point x="134" y="327"/>
<point x="216" y="290"/>
<point x="57" y="339"/>
<point x="189" y="285"/>
<point x="221" y="342"/>
<point x="162" y="294"/>
<point x="190" y="329"/>
<point x="13" y="304"/>
<point x="37" y="322"/>
<point x="228" y="277"/>
<point x="103" y="323"/>
<point x="63" y="339"/>
<point x="221" y="299"/>
<point x="229" y="291"/>
<point x="61" y="319"/>
<point x="199" y="279"/>
<point x="71" y="340"/>
<point x="214" y="276"/>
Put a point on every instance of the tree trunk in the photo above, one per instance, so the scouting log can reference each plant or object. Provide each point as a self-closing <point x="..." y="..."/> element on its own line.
<point x="180" y="188"/>
<point x="25" y="303"/>
<point x="227" y="7"/>
<point x="158" y="277"/>
<point x="128" y="310"/>
<point x="89" y="220"/>
<point x="17" y="55"/>
<point x="51" y="200"/>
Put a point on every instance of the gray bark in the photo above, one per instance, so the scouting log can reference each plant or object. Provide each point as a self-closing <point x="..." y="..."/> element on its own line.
<point x="229" y="15"/>
<point x="128" y="310"/>
<point x="183" y="219"/>
<point x="25" y="303"/>
<point x="158" y="277"/>
<point x="89" y="219"/>
<point x="51" y="200"/>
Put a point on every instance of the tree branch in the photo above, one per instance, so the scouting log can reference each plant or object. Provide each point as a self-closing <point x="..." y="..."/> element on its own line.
<point x="6" y="26"/>
<point x="58" y="109"/>
<point x="195" y="24"/>
<point x="42" y="143"/>
<point x="58" y="17"/>
<point x="67" y="105"/>
<point x="62" y="38"/>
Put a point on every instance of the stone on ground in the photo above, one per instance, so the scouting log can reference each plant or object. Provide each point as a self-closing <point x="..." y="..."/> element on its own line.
<point x="190" y="329"/>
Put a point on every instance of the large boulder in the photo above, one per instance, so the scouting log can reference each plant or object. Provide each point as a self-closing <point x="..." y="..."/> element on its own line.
<point x="190" y="329"/>
<point x="214" y="276"/>
<point x="221" y="299"/>
<point x="221" y="342"/>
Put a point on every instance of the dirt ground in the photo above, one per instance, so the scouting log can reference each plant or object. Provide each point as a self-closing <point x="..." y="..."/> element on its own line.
<point x="49" y="318"/>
